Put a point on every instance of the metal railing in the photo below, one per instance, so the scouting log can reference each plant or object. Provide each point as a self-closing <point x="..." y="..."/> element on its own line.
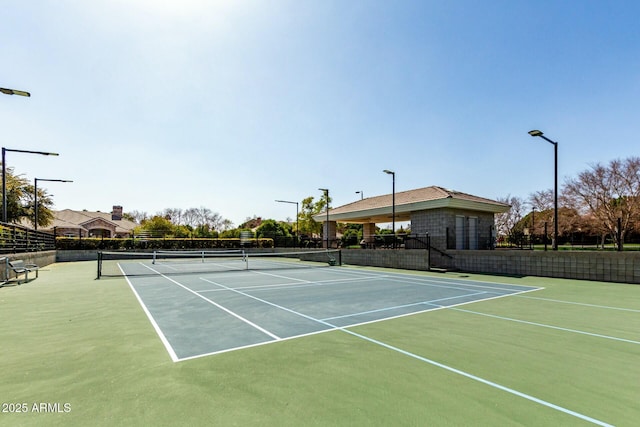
<point x="16" y="238"/>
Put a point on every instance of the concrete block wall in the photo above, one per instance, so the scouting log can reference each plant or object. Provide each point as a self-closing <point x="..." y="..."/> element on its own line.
<point x="416" y="259"/>
<point x="40" y="259"/>
<point x="623" y="267"/>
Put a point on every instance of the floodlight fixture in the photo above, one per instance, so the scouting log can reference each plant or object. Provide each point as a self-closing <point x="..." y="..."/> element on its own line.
<point x="4" y="175"/>
<point x="14" y="92"/>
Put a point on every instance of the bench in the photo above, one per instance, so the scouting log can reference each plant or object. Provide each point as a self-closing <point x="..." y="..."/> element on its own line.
<point x="20" y="267"/>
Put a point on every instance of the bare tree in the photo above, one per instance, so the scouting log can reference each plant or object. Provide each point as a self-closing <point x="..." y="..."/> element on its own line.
<point x="542" y="200"/>
<point x="138" y="216"/>
<point x="609" y="194"/>
<point x="174" y="214"/>
<point x="226" y="224"/>
<point x="190" y="217"/>
<point x="507" y="222"/>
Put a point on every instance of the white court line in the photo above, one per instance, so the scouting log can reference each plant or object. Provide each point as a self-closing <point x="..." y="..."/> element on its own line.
<point x="247" y="321"/>
<point x="455" y="285"/>
<point x="430" y="281"/>
<point x="295" y="285"/>
<point x="163" y="338"/>
<point x="186" y="267"/>
<point x="412" y="355"/>
<point x="409" y="279"/>
<point x="583" y="304"/>
<point x="434" y="363"/>
<point x="403" y="306"/>
<point x="548" y="326"/>
<point x="482" y="380"/>
<point x="433" y="279"/>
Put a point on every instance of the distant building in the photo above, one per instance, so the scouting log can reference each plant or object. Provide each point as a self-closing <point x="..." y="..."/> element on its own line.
<point x="84" y="223"/>
<point x="453" y="219"/>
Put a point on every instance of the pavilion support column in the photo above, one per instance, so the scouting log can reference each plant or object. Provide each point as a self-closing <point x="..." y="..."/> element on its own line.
<point x="368" y="232"/>
<point x="331" y="233"/>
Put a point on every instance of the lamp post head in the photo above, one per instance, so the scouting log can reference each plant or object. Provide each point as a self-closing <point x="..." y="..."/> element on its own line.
<point x="389" y="172"/>
<point x="14" y="92"/>
<point x="539" y="133"/>
<point x="53" y="180"/>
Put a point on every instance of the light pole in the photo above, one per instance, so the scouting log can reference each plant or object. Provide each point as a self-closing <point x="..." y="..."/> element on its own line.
<point x="361" y="193"/>
<point x="393" y="205"/>
<point x="326" y="194"/>
<point x="35" y="197"/>
<point x="4" y="175"/>
<point x="14" y="92"/>
<point x="296" y="203"/>
<point x="536" y="132"/>
<point x="533" y="225"/>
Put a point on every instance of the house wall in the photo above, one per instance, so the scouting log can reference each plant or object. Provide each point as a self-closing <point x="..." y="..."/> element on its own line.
<point x="440" y="224"/>
<point x="72" y="232"/>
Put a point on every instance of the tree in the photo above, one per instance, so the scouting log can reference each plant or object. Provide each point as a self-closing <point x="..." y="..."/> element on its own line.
<point x="137" y="216"/>
<point x="174" y="214"/>
<point x="270" y="228"/>
<point x="307" y="224"/>
<point x="20" y="201"/>
<point x="610" y="194"/>
<point x="157" y="226"/>
<point x="45" y="215"/>
<point x="509" y="223"/>
<point x="351" y="233"/>
<point x="226" y="225"/>
<point x="542" y="200"/>
<point x="190" y="217"/>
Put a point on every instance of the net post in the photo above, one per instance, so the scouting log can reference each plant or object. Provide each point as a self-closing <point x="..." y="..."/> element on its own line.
<point x="99" y="265"/>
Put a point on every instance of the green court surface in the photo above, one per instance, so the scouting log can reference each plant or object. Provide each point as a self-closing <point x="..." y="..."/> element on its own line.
<point x="80" y="351"/>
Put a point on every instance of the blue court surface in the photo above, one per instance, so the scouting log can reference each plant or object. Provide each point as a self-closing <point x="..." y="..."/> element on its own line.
<point x="201" y="314"/>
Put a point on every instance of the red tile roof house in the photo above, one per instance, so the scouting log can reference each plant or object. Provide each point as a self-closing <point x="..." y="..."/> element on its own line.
<point x="84" y="223"/>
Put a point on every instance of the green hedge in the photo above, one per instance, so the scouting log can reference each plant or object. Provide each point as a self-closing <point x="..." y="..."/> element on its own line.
<point x="68" y="243"/>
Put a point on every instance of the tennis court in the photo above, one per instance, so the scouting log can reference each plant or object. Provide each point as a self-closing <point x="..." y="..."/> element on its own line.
<point x="198" y="312"/>
<point x="316" y="345"/>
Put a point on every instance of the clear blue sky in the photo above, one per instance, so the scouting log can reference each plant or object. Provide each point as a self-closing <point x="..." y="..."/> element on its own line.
<point x="231" y="105"/>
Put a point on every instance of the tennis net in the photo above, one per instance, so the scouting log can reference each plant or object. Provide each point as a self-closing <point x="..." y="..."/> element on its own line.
<point x="113" y="264"/>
